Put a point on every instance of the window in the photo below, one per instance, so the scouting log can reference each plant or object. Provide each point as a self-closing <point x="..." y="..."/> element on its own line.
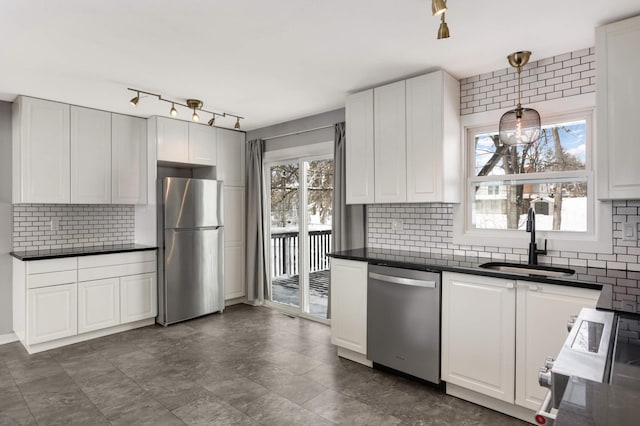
<point x="551" y="175"/>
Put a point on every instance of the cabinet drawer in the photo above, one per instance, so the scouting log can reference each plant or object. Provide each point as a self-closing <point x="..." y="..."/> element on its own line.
<point x="51" y="279"/>
<point x="90" y="274"/>
<point x="116" y="259"/>
<point x="51" y="265"/>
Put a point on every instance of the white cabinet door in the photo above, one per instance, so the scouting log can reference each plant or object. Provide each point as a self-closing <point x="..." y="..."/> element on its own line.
<point x="433" y="138"/>
<point x="233" y="215"/>
<point x="543" y="311"/>
<point x="90" y="156"/>
<point x="478" y="334"/>
<point x="202" y="144"/>
<point x="230" y="161"/>
<point x="349" y="304"/>
<point x="359" y="148"/>
<point x="390" y="143"/>
<point x="128" y="160"/>
<point x="52" y="313"/>
<point x="41" y="151"/>
<point x="234" y="272"/>
<point x="138" y="298"/>
<point x="173" y="140"/>
<point x="98" y="304"/>
<point x="618" y="91"/>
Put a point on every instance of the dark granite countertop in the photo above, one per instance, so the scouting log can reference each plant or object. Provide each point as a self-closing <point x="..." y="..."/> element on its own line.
<point x="78" y="251"/>
<point x="595" y="278"/>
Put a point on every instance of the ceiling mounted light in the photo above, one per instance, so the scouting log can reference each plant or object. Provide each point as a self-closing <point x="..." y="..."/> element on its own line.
<point x="443" y="31"/>
<point x="193" y="104"/>
<point x="134" y="101"/>
<point x="519" y="126"/>
<point x="438" y="7"/>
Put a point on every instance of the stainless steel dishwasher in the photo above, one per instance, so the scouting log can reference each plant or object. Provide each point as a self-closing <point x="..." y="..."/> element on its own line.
<point x="403" y="321"/>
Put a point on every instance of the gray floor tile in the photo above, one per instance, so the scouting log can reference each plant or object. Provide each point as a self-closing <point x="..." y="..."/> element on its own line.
<point x="172" y="389"/>
<point x="13" y="408"/>
<point x="239" y="393"/>
<point x="344" y="410"/>
<point x="271" y="409"/>
<point x="210" y="411"/>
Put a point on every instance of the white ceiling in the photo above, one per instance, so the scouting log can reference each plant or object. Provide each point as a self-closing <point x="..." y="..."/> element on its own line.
<point x="269" y="60"/>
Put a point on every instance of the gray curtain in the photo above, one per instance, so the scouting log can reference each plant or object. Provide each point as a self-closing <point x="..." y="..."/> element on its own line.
<point x="349" y="221"/>
<point x="256" y="261"/>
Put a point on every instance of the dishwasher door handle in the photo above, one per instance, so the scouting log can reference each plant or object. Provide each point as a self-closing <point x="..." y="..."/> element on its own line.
<point x="403" y="281"/>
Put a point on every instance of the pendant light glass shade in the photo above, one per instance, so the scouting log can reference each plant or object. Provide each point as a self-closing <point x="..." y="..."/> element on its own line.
<point x="519" y="126"/>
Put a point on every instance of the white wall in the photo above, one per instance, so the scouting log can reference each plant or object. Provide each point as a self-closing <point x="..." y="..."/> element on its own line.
<point x="6" y="326"/>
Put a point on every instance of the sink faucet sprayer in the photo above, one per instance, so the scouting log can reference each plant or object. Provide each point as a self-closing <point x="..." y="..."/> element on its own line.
<point x="533" y="248"/>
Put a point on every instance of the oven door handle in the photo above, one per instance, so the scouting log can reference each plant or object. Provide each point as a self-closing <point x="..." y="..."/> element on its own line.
<point x="544" y="416"/>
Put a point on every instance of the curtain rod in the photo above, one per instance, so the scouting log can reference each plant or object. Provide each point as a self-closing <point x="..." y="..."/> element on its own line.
<point x="297" y="133"/>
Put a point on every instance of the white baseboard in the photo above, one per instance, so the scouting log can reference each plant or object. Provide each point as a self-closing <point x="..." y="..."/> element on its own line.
<point x="8" y="338"/>
<point x="354" y="356"/>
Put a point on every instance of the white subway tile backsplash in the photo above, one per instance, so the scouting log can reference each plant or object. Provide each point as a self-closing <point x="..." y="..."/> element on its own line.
<point x="79" y="225"/>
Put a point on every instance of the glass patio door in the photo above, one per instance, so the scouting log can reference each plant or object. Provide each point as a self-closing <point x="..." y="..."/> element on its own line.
<point x="300" y="201"/>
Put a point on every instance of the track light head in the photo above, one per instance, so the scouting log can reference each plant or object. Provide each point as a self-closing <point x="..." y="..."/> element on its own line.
<point x="237" y="126"/>
<point x="195" y="116"/>
<point x="443" y="31"/>
<point x="134" y="101"/>
<point x="174" y="111"/>
<point x="212" y="121"/>
<point x="438" y="7"/>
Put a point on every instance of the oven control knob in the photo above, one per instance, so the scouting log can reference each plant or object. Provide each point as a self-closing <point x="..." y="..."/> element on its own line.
<point x="548" y="362"/>
<point x="544" y="377"/>
<point x="571" y="322"/>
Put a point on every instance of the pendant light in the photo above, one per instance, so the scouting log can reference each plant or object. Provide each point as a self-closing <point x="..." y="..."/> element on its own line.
<point x="519" y="126"/>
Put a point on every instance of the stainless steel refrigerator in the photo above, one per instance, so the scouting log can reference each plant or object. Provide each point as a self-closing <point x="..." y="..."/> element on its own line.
<point x="191" y="249"/>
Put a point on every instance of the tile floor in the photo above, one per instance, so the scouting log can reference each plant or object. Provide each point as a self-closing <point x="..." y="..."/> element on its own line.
<point x="249" y="366"/>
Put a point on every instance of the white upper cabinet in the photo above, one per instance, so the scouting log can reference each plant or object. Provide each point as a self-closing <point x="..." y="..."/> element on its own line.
<point x="359" y="148"/>
<point x="433" y="141"/>
<point x="230" y="161"/>
<point x="413" y="129"/>
<point x="129" y="159"/>
<point x="41" y="172"/>
<point x="202" y="144"/>
<point x="173" y="140"/>
<point x="90" y="156"/>
<point x="390" y="143"/>
<point x="617" y="94"/>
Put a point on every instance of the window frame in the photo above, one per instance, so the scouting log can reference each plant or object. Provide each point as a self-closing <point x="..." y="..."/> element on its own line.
<point x="597" y="238"/>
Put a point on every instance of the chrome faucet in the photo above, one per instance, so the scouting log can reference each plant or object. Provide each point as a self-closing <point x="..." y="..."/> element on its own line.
<point x="533" y="248"/>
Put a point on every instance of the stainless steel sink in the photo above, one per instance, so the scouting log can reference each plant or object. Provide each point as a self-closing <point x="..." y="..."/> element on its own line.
<point x="519" y="268"/>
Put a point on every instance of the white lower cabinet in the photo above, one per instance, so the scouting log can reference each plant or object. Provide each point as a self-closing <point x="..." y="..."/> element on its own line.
<point x="98" y="304"/>
<point x="349" y="307"/>
<point x="478" y="334"/>
<point x="233" y="272"/>
<point x="138" y="297"/>
<point x="234" y="233"/>
<point x="541" y="329"/>
<point x="63" y="301"/>
<point x="496" y="334"/>
<point x="52" y="313"/>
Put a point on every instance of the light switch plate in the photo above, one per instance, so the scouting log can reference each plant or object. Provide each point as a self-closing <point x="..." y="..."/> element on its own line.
<point x="629" y="231"/>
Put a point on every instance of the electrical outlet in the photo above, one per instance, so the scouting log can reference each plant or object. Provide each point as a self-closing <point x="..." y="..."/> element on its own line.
<point x="54" y="224"/>
<point x="629" y="231"/>
<point x="397" y="225"/>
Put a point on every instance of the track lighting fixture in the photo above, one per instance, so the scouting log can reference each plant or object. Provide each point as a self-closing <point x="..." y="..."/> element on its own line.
<point x="193" y="104"/>
<point x="438" y="7"/>
<point x="134" y="101"/>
